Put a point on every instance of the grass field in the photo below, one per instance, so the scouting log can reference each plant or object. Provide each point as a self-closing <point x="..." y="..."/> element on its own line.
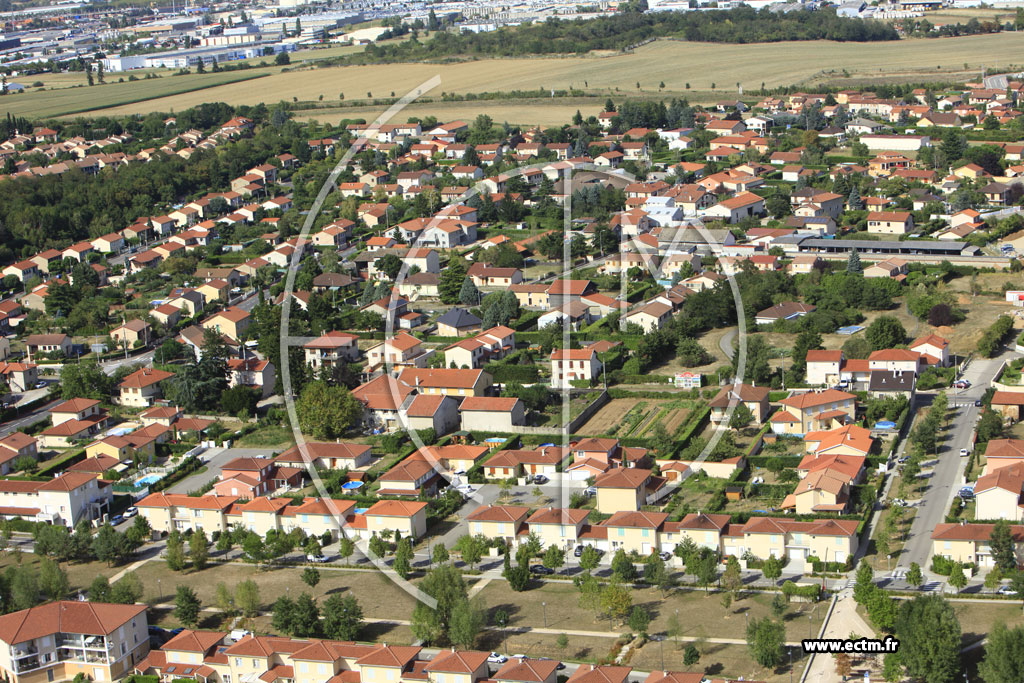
<point x="675" y="63"/>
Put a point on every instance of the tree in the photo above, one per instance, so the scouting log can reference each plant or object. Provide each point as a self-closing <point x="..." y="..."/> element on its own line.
<point x="186" y="606"/>
<point x="343" y="617"/>
<point x="853" y="200"/>
<point x="326" y="411"/>
<point x="346" y="547"/>
<point x="1004" y="655"/>
<point x="741" y="416"/>
<point x="690" y="655"/>
<point x="99" y="590"/>
<point x="914" y="576"/>
<point x="305" y="617"/>
<point x="402" y="563"/>
<point x="247" y="597"/>
<point x="765" y="639"/>
<point x="639" y="620"/>
<point x="24" y="588"/>
<point x="199" y="550"/>
<point x="311" y="576"/>
<point x="175" y="552"/>
<point x="85" y="379"/>
<point x="451" y="280"/>
<point x="704" y="567"/>
<point x="772" y="569"/>
<point x="779" y="605"/>
<point x="929" y="635"/>
<point x="853" y="263"/>
<point x="655" y="573"/>
<point x="778" y="205"/>
<point x="468" y="620"/>
<point x="1002" y="545"/>
<point x="109" y="546"/>
<point x="732" y="578"/>
<point x="283" y="614"/>
<point x="554" y="557"/>
<point x="843" y="665"/>
<point x="469" y="295"/>
<point x="224" y="599"/>
<point x="445" y="584"/>
<point x="589" y="558"/>
<point x="440" y="554"/>
<point x="53" y="581"/>
<point x="390" y="265"/>
<point x="471" y="548"/>
<point x="957" y="578"/>
<point x="127" y="590"/>
<point x="377" y="546"/>
<point x="623" y="568"/>
<point x="885" y="332"/>
<point x="616" y="602"/>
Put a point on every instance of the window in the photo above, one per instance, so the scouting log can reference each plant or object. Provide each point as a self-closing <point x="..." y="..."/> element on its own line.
<point x="774" y="539"/>
<point x="622" y="532"/>
<point x="646" y="533"/>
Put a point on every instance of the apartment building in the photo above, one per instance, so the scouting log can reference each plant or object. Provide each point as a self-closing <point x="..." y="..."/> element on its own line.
<point x="64" y="639"/>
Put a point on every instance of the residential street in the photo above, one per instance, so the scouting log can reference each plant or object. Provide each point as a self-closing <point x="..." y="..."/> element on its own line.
<point x="947" y="473"/>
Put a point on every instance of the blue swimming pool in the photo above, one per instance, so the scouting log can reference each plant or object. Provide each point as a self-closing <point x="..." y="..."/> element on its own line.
<point x="352" y="485"/>
<point x="148" y="479"/>
<point x="361" y="511"/>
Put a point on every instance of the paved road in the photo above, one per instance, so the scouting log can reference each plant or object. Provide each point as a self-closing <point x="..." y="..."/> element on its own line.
<point x="946" y="476"/>
<point x="726" y="343"/>
<point x="27" y="418"/>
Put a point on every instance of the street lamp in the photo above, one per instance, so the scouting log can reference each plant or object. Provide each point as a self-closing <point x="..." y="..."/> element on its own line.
<point x="810" y="625"/>
<point x="790" y="664"/>
<point x="545" y="606"/>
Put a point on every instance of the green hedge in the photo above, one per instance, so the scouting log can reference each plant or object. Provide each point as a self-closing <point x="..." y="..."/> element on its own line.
<point x="811" y="591"/>
<point x="62" y="463"/>
<point x="695" y="424"/>
<point x="503" y="373"/>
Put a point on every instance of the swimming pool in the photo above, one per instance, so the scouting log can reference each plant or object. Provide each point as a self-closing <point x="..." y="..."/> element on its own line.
<point x="352" y="485"/>
<point x="148" y="479"/>
<point x="361" y="511"/>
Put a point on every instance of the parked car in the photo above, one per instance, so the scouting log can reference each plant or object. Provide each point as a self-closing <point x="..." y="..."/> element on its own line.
<point x="578" y="551"/>
<point x="116" y="519"/>
<point x="964" y="452"/>
<point x="542" y="570"/>
<point x="40" y="385"/>
<point x="666" y="556"/>
<point x="130" y="512"/>
<point x="497" y="658"/>
<point x="1006" y="590"/>
<point x="977" y="404"/>
<point x="590" y="491"/>
<point x="540" y="479"/>
<point x="316" y="558"/>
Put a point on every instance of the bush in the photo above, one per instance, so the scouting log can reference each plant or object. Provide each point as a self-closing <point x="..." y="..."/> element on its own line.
<point x="942" y="566"/>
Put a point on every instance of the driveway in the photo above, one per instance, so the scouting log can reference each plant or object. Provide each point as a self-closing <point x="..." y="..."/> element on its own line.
<point x="215" y="459"/>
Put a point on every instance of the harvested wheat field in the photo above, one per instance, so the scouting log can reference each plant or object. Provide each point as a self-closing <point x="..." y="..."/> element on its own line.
<point x="675" y="63"/>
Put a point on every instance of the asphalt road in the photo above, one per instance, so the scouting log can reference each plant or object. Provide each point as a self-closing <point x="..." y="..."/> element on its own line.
<point x="947" y="473"/>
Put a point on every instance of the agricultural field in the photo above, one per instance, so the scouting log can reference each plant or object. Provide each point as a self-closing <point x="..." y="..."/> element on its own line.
<point x="67" y="99"/>
<point x="636" y="416"/>
<point x="674" y="63"/>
